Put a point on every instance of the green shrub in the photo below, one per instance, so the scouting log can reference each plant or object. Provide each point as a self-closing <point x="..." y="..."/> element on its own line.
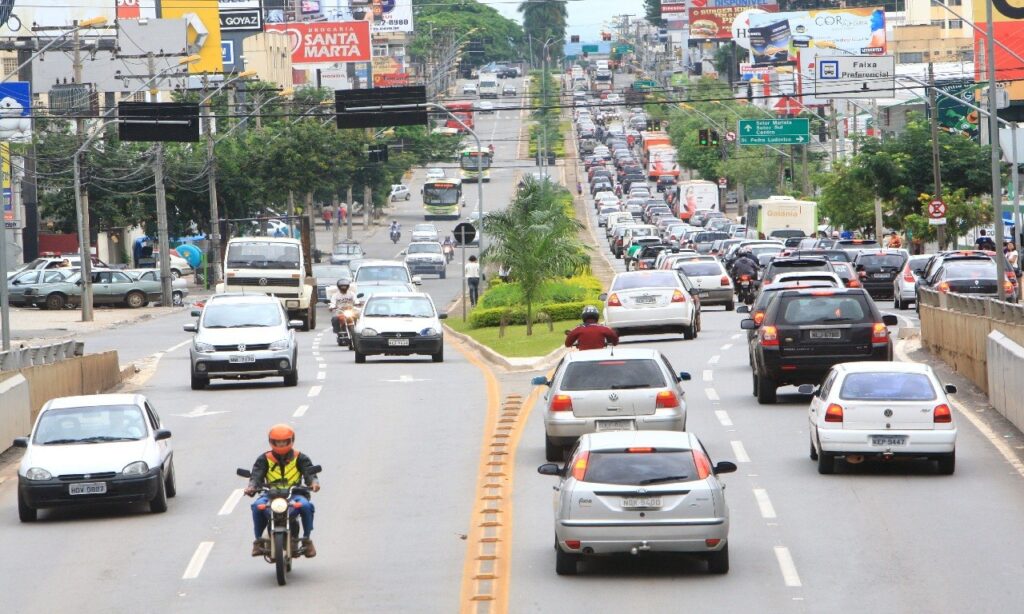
<point x="482" y="317"/>
<point x="570" y="290"/>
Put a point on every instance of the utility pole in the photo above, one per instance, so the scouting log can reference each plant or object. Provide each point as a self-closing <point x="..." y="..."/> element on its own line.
<point x="84" y="235"/>
<point x="349" y="212"/>
<point x="5" y="305"/>
<point x="214" y="270"/>
<point x="833" y="131"/>
<point x="936" y="170"/>
<point x="993" y="140"/>
<point x="163" y="236"/>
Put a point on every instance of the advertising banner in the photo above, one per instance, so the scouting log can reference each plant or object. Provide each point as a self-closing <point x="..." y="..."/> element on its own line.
<point x="672" y="7"/>
<point x="1008" y="28"/>
<point x="327" y="42"/>
<point x="955" y="116"/>
<point x="18" y="16"/>
<point x="383" y="15"/>
<point x="203" y="17"/>
<point x="389" y="72"/>
<point x="5" y="162"/>
<point x="717" y="22"/>
<point x="15" y="112"/>
<point x="237" y="15"/>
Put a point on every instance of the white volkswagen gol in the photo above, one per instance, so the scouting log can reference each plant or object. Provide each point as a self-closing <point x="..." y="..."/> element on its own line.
<point x="881" y="410"/>
<point x="635" y="492"/>
<point x="101" y="448"/>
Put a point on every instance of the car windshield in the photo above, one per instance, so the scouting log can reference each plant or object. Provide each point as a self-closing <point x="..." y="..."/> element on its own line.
<point x="640" y="468"/>
<point x="765" y="249"/>
<point x="241" y="315"/>
<point x="98" y="424"/>
<point x="779" y="268"/>
<point x="645" y="279"/>
<point x="881" y="260"/>
<point x="835" y="256"/>
<point x="331" y="271"/>
<point x="700" y="269"/>
<point x="424" y="248"/>
<point x="424" y="228"/>
<point x="971" y="270"/>
<point x="612" y="374"/>
<point x="347" y="248"/>
<point x="263" y="255"/>
<point x="399" y="307"/>
<point x="887" y="387"/>
<point x="824" y="309"/>
<point x="382" y="273"/>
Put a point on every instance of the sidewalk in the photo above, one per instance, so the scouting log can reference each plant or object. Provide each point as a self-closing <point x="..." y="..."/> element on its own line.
<point x="31" y="326"/>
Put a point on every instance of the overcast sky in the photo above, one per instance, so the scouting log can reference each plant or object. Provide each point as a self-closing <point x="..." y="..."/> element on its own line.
<point x="586" y="17"/>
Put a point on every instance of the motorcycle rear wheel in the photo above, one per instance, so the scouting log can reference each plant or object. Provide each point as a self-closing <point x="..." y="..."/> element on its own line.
<point x="279" y="558"/>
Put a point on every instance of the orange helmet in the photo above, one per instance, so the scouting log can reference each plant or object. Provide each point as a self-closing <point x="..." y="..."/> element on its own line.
<point x="281" y="437"/>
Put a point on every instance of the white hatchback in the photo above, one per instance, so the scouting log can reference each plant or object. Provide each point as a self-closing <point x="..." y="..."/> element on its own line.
<point x="881" y="410"/>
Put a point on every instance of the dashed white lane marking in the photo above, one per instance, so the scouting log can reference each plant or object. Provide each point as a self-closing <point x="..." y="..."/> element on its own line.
<point x="739" y="452"/>
<point x="723" y="417"/>
<point x="736" y="336"/>
<point x="726" y="346"/>
<point x="231" y="502"/>
<point x="707" y="375"/>
<point x="789" y="574"/>
<point x="764" y="503"/>
<point x="178" y="346"/>
<point x="195" y="566"/>
<point x="711" y="394"/>
<point x="315" y="391"/>
<point x="321" y="374"/>
<point x="316" y="353"/>
<point x="300" y="411"/>
<point x="714" y="359"/>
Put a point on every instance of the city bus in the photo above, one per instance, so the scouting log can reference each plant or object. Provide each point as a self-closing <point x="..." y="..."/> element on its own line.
<point x="463" y="109"/>
<point x="441" y="198"/>
<point x="470" y="159"/>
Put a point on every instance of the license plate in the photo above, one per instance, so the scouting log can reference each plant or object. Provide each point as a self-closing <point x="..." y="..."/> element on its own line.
<point x="880" y="275"/>
<point x="825" y="334"/>
<point x="615" y="425"/>
<point x="398" y="342"/>
<point x="636" y="502"/>
<point x="87" y="488"/>
<point x="645" y="300"/>
<point x="239" y="358"/>
<point x="888" y="440"/>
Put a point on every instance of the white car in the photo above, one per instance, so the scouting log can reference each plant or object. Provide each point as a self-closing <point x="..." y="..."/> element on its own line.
<point x="426" y="257"/>
<point x="904" y="287"/>
<point x="469" y="88"/>
<point x="484" y="106"/>
<point x="400" y="192"/>
<point x="604" y="212"/>
<point x="639" y="493"/>
<point x="825" y="276"/>
<point x="399" y="324"/>
<point x="435" y="173"/>
<point x="424" y="232"/>
<point x="709" y="275"/>
<point x="881" y="410"/>
<point x="95" y="449"/>
<point x="179" y="266"/>
<point x="644" y="302"/>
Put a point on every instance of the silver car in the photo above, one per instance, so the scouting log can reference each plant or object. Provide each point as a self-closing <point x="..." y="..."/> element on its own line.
<point x="904" y="287"/>
<point x="640" y="492"/>
<point x="610" y="390"/>
<point x="426" y="257"/>
<point x="243" y="337"/>
<point x="424" y="232"/>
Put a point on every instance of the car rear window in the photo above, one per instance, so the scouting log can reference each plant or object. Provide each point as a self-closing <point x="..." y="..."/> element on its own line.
<point x="799" y="267"/>
<point x="917" y="264"/>
<point x="612" y="374"/>
<point x="767" y="249"/>
<point x="857" y="244"/>
<point x="824" y="309"/>
<point x="887" y="387"/>
<point x="651" y="279"/>
<point x="881" y="260"/>
<point x="699" y="269"/>
<point x="640" y="468"/>
<point x="976" y="269"/>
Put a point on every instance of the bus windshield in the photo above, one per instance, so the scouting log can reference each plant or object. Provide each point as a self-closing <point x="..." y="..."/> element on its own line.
<point x="471" y="160"/>
<point x="441" y="193"/>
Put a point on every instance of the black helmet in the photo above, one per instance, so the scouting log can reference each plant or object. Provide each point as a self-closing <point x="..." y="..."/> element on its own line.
<point x="590" y="313"/>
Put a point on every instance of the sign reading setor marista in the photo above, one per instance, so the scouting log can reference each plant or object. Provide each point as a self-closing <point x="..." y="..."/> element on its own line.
<point x="857" y="76"/>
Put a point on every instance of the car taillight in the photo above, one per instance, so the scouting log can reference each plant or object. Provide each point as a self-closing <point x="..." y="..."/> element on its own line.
<point x="834" y="413"/>
<point x="640" y="264"/>
<point x="613" y="301"/>
<point x="666" y="400"/>
<point x="725" y="280"/>
<point x="942" y="415"/>
<point x="853" y="283"/>
<point x="908" y="275"/>
<point x="758" y="317"/>
<point x="944" y="286"/>
<point x="703" y="464"/>
<point x="561" y="402"/>
<point x="678" y="296"/>
<point x="879" y="333"/>
<point x="579" y="468"/>
<point x="1007" y="287"/>
<point x="769" y="336"/>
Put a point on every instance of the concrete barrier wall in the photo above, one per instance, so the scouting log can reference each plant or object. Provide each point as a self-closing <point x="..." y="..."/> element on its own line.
<point x="1006" y="386"/>
<point x="15" y="409"/>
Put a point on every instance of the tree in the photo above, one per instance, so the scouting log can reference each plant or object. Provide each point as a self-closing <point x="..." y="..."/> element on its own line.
<point x="501" y="36"/>
<point x="544" y="20"/>
<point x="537" y="237"/>
<point x="845" y="200"/>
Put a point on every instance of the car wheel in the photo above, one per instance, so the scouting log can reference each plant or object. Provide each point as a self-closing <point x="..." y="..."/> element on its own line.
<point x="754" y="378"/>
<point x="175" y="273"/>
<point x="553" y="452"/>
<point x="199" y="382"/>
<point x="26" y="513"/>
<point x="718" y="562"/>
<point x="170" y="486"/>
<point x="158" y="504"/>
<point x="826" y="463"/>
<point x="731" y="305"/>
<point x="56" y="301"/>
<point x="134" y="300"/>
<point x="360" y="357"/>
<point x="442" y="275"/>
<point x="814" y="451"/>
<point x="177" y="299"/>
<point x="896" y="303"/>
<point x="566" y="564"/>
<point x="947" y="464"/>
<point x="292" y="378"/>
<point x="766" y="389"/>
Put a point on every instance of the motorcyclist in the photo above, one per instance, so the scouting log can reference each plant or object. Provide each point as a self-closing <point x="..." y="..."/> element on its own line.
<point x="745" y="264"/>
<point x="340" y="299"/>
<point x="448" y="247"/>
<point x="590" y="335"/>
<point x="395" y="230"/>
<point x="282" y="466"/>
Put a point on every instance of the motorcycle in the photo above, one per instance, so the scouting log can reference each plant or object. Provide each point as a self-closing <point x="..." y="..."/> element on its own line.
<point x="449" y="251"/>
<point x="346" y="322"/>
<point x="745" y="289"/>
<point x="396" y="235"/>
<point x="283" y="528"/>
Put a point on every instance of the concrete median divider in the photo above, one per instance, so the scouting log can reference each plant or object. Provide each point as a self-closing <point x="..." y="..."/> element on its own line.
<point x="1006" y="387"/>
<point x="15" y="409"/>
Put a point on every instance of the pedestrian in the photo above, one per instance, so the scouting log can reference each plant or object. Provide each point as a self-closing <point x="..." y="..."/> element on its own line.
<point x="894" y="242"/>
<point x="473" y="279"/>
<point x="579" y="188"/>
<point x="327" y="217"/>
<point x="504" y="272"/>
<point x="1012" y="256"/>
<point x="985" y="242"/>
<point x="342" y="213"/>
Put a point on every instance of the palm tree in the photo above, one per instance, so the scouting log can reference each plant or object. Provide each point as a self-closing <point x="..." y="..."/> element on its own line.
<point x="544" y="19"/>
<point x="538" y="238"/>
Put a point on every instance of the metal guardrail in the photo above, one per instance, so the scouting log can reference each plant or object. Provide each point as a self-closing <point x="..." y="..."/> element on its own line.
<point x="1012" y="313"/>
<point x="40" y="355"/>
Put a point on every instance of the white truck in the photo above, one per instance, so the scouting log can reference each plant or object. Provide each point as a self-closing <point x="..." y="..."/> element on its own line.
<point x="695" y="195"/>
<point x="279" y="266"/>
<point x="782" y="215"/>
<point x="487" y="85"/>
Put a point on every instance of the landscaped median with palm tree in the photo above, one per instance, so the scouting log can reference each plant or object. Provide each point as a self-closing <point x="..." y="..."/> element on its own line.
<point x="538" y="238"/>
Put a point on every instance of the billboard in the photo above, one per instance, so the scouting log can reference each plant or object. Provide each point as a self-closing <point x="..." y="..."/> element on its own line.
<point x="717" y="22"/>
<point x="240" y="15"/>
<point x="326" y="42"/>
<point x="382" y="15"/>
<point x="15" y="112"/>
<point x="389" y="72"/>
<point x="203" y="17"/>
<point x="18" y="16"/>
<point x="1008" y="28"/>
<point x="955" y="116"/>
<point x="672" y="7"/>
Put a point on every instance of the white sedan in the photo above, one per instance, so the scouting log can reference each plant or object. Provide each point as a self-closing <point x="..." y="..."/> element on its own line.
<point x="645" y="302"/>
<point x="101" y="448"/>
<point x="881" y="410"/>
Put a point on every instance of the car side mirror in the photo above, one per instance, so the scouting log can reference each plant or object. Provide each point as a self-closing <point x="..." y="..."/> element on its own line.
<point x="360" y="295"/>
<point x="725" y="467"/>
<point x="890" y="320"/>
<point x="540" y="380"/>
<point x="442" y="316"/>
<point x="748" y="324"/>
<point x="743" y="309"/>
<point x="805" y="389"/>
<point x="196" y="313"/>
<point x="549" y="469"/>
<point x="190" y="328"/>
<point x="416" y="279"/>
<point x="16" y="282"/>
<point x="294" y="324"/>
<point x="20" y="442"/>
<point x="243" y="473"/>
<point x="603" y="296"/>
<point x="950" y="389"/>
<point x="78" y="283"/>
<point x="401" y="253"/>
<point x="161" y="434"/>
<point x="684" y="376"/>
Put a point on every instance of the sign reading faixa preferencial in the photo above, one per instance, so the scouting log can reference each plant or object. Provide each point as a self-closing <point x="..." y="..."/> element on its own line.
<point x="855" y="76"/>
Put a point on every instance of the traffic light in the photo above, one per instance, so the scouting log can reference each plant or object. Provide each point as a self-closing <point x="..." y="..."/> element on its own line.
<point x="574" y="38"/>
<point x="606" y="36"/>
<point x="703" y="137"/>
<point x="822" y="132"/>
<point x="788" y="174"/>
<point x="714" y="138"/>
<point x="662" y="35"/>
<point x="378" y="153"/>
<point x="653" y="124"/>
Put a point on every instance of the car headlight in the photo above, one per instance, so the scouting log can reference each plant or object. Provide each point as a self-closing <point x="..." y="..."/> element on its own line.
<point x="204" y="348"/>
<point x="37" y="473"/>
<point x="280" y="344"/>
<point x="136" y="468"/>
<point x="368" y="332"/>
<point x="279" y="505"/>
<point x="429" y="332"/>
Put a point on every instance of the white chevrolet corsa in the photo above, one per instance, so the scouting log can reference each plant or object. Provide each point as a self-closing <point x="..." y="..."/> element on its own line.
<point x="881" y="410"/>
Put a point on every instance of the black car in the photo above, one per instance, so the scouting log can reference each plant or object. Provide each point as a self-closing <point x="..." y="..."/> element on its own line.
<point x="806" y="332"/>
<point x="878" y="269"/>
<point x="601" y="184"/>
<point x="646" y="257"/>
<point x="968" y="274"/>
